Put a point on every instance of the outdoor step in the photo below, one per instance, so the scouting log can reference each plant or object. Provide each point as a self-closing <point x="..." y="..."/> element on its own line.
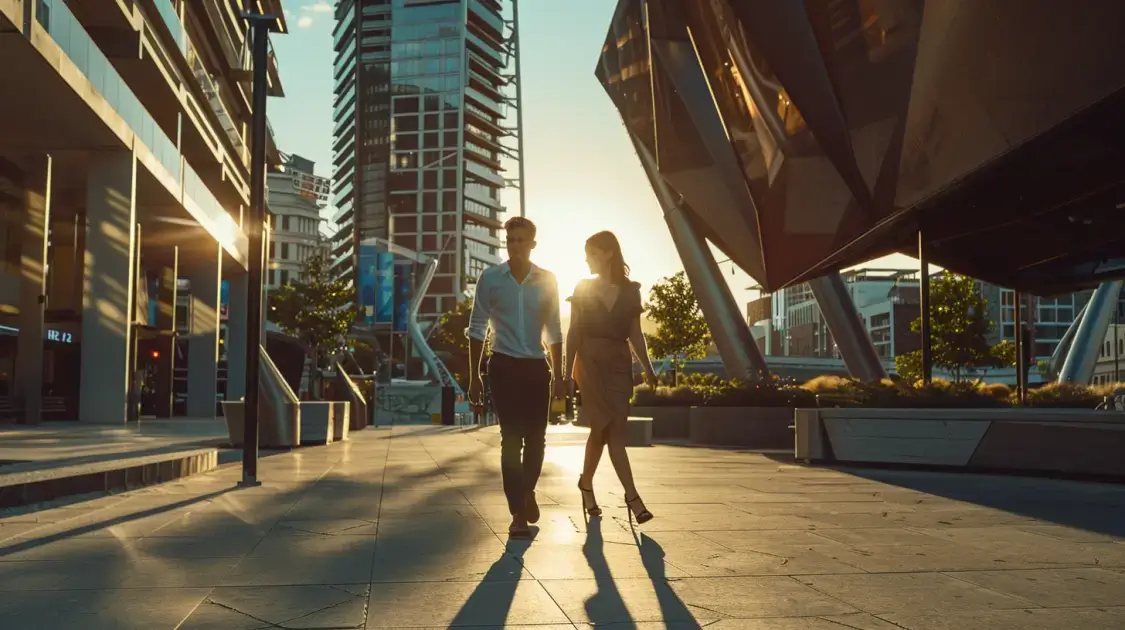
<point x="26" y="483"/>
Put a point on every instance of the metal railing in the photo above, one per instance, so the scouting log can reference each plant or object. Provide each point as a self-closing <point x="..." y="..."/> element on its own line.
<point x="212" y="92"/>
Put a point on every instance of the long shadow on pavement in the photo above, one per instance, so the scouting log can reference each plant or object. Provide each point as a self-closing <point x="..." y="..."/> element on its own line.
<point x="491" y="601"/>
<point x="1088" y="506"/>
<point x="606" y="605"/>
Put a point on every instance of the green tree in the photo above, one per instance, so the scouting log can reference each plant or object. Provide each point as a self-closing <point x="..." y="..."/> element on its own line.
<point x="681" y="330"/>
<point x="959" y="328"/>
<point x="450" y="343"/>
<point x="317" y="309"/>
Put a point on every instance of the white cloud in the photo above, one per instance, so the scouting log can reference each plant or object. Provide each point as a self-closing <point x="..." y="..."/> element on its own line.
<point x="319" y="7"/>
<point x="305" y="22"/>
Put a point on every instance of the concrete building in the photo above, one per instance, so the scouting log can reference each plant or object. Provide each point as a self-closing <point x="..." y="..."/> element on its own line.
<point x="124" y="162"/>
<point x="424" y="96"/>
<point x="296" y="197"/>
<point x="887" y="301"/>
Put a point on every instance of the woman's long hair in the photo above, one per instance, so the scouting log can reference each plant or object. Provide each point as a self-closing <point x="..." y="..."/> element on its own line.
<point x="618" y="271"/>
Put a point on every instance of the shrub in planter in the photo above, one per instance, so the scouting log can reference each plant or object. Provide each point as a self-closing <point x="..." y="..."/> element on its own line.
<point x="661" y="396"/>
<point x="1064" y="396"/>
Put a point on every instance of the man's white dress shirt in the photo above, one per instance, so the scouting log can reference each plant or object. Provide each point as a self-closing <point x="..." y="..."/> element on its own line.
<point x="523" y="316"/>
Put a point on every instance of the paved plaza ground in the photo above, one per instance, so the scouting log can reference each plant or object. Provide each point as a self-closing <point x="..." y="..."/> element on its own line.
<point x="406" y="528"/>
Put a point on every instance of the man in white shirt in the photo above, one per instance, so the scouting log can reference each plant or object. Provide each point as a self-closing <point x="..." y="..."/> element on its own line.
<point x="519" y="302"/>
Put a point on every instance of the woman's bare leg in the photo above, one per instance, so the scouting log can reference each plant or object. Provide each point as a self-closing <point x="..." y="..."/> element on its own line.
<point x="616" y="437"/>
<point x="595" y="444"/>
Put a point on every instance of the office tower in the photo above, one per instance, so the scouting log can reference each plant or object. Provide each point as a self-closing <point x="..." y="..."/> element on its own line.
<point x="425" y="98"/>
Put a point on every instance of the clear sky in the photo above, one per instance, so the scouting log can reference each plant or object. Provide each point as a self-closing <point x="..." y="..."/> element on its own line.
<point x="581" y="172"/>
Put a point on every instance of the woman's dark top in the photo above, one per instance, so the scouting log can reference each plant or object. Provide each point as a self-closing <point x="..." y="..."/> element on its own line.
<point x="596" y="321"/>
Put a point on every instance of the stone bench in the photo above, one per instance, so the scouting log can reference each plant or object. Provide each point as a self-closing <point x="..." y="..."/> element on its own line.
<point x="639" y="431"/>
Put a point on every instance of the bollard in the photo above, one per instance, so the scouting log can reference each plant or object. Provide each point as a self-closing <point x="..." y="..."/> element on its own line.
<point x="447" y="406"/>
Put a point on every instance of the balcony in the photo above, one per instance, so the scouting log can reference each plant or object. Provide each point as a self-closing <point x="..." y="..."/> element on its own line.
<point x="491" y="106"/>
<point x="162" y="159"/>
<point x="76" y="43"/>
<point x="212" y="94"/>
<point x="487" y="15"/>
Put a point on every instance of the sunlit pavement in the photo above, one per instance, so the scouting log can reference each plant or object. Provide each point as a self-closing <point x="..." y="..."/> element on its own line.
<point x="407" y="529"/>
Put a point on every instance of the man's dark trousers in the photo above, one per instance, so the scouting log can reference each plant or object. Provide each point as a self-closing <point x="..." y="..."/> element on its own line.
<point x="521" y="392"/>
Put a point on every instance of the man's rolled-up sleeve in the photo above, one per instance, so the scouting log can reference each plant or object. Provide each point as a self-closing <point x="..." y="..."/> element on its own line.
<point x="478" y="318"/>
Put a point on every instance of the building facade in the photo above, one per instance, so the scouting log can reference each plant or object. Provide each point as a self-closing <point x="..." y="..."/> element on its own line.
<point x="124" y="177"/>
<point x="888" y="301"/>
<point x="423" y="98"/>
<point x="296" y="197"/>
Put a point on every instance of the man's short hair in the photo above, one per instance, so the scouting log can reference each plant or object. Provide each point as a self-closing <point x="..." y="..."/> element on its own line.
<point x="518" y="223"/>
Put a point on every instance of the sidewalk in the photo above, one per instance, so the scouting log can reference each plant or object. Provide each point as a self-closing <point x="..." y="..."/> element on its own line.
<point x="405" y="528"/>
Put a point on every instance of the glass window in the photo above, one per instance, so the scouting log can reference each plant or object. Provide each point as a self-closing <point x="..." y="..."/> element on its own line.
<point x="404" y="180"/>
<point x="407" y="141"/>
<point x="285" y="250"/>
<point x="430" y="181"/>
<point x="430" y="202"/>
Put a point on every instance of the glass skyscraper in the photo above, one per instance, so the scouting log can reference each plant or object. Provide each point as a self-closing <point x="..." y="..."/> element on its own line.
<point x="422" y="96"/>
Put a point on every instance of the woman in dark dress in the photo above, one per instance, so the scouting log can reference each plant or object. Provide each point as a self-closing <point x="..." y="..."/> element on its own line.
<point x="605" y="319"/>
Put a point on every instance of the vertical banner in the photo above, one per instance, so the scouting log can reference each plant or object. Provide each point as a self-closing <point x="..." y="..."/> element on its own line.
<point x="385" y="288"/>
<point x="404" y="291"/>
<point x="224" y="299"/>
<point x="368" y="260"/>
<point x="153" y="299"/>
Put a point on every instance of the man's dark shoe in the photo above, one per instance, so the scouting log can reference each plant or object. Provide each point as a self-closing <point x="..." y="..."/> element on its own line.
<point x="531" y="508"/>
<point x="519" y="528"/>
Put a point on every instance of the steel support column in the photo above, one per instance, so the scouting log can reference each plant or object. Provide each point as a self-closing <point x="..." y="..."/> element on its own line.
<point x="924" y="290"/>
<point x="729" y="329"/>
<point x="843" y="321"/>
<point x="1078" y="368"/>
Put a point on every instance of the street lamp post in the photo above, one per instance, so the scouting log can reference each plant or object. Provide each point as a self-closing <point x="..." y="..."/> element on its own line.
<point x="260" y="26"/>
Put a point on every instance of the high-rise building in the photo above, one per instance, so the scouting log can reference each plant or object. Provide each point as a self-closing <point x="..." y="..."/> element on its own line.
<point x="125" y="174"/>
<point x="424" y="94"/>
<point x="296" y="197"/>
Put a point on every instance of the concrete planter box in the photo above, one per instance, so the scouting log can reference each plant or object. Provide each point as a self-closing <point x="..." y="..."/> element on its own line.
<point x="316" y="422"/>
<point x="668" y="423"/>
<point x="1069" y="441"/>
<point x="743" y="427"/>
<point x="341" y="420"/>
<point x="639" y="431"/>
<point x="272" y="432"/>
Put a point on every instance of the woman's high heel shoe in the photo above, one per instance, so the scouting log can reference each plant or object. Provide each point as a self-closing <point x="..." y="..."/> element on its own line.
<point x="589" y="503"/>
<point x="638" y="510"/>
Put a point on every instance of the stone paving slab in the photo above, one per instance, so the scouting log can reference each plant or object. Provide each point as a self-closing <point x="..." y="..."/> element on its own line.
<point x="407" y="528"/>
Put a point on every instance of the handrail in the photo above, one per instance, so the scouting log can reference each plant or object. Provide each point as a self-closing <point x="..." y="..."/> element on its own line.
<point x="421" y="344"/>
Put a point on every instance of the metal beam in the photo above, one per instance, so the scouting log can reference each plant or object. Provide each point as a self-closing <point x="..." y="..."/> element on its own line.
<point x="1078" y="368"/>
<point x="731" y="334"/>
<point x="1063" y="348"/>
<point x="843" y="321"/>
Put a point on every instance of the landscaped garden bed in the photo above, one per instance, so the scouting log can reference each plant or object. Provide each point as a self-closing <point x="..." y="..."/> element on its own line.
<point x="707" y="410"/>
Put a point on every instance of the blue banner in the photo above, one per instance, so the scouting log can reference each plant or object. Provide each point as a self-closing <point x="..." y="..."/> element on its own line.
<point x="367" y="261"/>
<point x="403" y="293"/>
<point x="224" y="298"/>
<point x="153" y="297"/>
<point x="384" y="288"/>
